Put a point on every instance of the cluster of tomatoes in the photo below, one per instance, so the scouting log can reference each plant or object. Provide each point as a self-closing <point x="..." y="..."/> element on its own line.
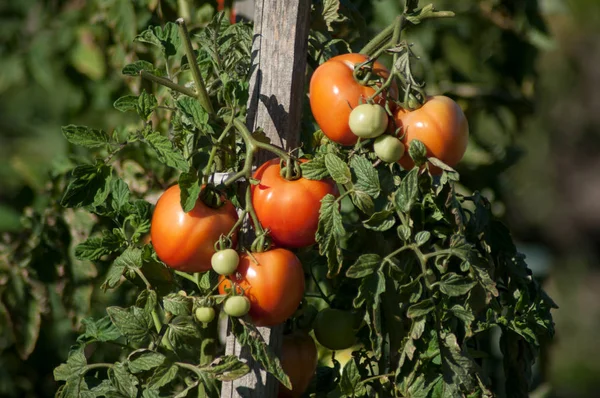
<point x="335" y="100"/>
<point x="269" y="285"/>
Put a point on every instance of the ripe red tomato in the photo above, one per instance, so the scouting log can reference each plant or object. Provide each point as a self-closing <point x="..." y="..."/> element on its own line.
<point x="299" y="362"/>
<point x="440" y="124"/>
<point x="289" y="209"/>
<point x="274" y="283"/>
<point x="334" y="93"/>
<point x="185" y="241"/>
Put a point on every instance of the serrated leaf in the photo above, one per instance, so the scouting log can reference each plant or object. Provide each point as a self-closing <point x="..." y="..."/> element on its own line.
<point x="134" y="323"/>
<point x="365" y="265"/>
<point x="454" y="285"/>
<point x="422" y="237"/>
<point x="90" y="184"/>
<point x="162" y="376"/>
<point x="183" y="331"/>
<point x="85" y="136"/>
<point x="367" y="179"/>
<point x="457" y="365"/>
<point x="120" y="194"/>
<point x="148" y="298"/>
<point x="166" y="152"/>
<point x="249" y="336"/>
<point x="124" y="381"/>
<point x="143" y="360"/>
<point x="166" y="38"/>
<point x="130" y="258"/>
<point x="135" y="68"/>
<point x="408" y="192"/>
<point x="99" y="330"/>
<point x="328" y="234"/>
<point x="420" y="309"/>
<point x="350" y="382"/>
<point x="91" y="249"/>
<point x="76" y="366"/>
<point x="126" y="103"/>
<point x="226" y="368"/>
<point x="404" y="232"/>
<point x="147" y="103"/>
<point x="177" y="304"/>
<point x="380" y="221"/>
<point x="192" y="112"/>
<point x="190" y="190"/>
<point x="338" y="169"/>
<point x="418" y="153"/>
<point x="363" y="201"/>
<point x="314" y="169"/>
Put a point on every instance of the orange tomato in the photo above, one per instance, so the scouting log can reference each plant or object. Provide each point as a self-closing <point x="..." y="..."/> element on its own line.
<point x="334" y="93"/>
<point x="289" y="209"/>
<point x="185" y="241"/>
<point x="440" y="124"/>
<point x="299" y="362"/>
<point x="273" y="281"/>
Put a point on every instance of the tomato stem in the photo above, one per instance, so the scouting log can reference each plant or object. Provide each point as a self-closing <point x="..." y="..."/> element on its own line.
<point x="213" y="151"/>
<point x="185" y="275"/>
<point x="201" y="95"/>
<point x="167" y="83"/>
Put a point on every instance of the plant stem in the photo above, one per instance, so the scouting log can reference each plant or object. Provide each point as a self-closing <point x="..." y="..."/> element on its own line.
<point x="376" y="377"/>
<point x="378" y="41"/>
<point x="167" y="83"/>
<point x="213" y="151"/>
<point x="202" y="95"/>
<point x="98" y="366"/>
<point x="186" y="276"/>
<point x="143" y="278"/>
<point x="237" y="223"/>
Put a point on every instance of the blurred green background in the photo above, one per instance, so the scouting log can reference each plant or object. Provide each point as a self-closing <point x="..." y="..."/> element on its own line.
<point x="532" y="65"/>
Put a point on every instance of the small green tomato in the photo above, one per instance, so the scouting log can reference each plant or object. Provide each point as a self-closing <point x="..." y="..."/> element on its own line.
<point x="236" y="306"/>
<point x="368" y="121"/>
<point x="225" y="262"/>
<point x="205" y="314"/>
<point x="388" y="148"/>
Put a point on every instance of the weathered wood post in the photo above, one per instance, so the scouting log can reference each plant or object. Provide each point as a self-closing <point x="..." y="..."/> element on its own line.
<point x="275" y="104"/>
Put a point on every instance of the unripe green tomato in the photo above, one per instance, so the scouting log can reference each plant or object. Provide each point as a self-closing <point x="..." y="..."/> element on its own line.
<point x="388" y="148"/>
<point x="236" y="306"/>
<point x="205" y="314"/>
<point x="225" y="262"/>
<point x="368" y="121"/>
<point x="334" y="329"/>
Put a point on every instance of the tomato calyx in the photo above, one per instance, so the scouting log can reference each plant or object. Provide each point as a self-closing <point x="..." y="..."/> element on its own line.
<point x="262" y="242"/>
<point x="223" y="243"/>
<point x="211" y="197"/>
<point x="291" y="170"/>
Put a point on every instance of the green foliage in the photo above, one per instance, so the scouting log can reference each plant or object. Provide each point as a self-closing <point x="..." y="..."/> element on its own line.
<point x="427" y="271"/>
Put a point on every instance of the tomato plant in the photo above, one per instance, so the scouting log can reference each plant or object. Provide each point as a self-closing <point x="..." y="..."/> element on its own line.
<point x="289" y="209"/>
<point x="334" y="93"/>
<point x="205" y="314"/>
<point x="185" y="241"/>
<point x="299" y="361"/>
<point x="273" y="281"/>
<point x="440" y="124"/>
<point x="389" y="149"/>
<point x="236" y="306"/>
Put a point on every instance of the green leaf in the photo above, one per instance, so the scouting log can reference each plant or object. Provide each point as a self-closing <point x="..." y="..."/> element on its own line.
<point x="380" y="221"/>
<point x="85" y="136"/>
<point x="192" y="112"/>
<point x="162" y="376"/>
<point x="338" y="169"/>
<point x="226" y="368"/>
<point x="408" y="192"/>
<point x="453" y="284"/>
<point x="91" y="249"/>
<point x="457" y="365"/>
<point x="100" y="330"/>
<point x="90" y="184"/>
<point x="183" y="332"/>
<point x="249" y="336"/>
<point x="120" y="194"/>
<point x="124" y="381"/>
<point x="363" y="201"/>
<point x="369" y="295"/>
<point x="135" y="68"/>
<point x="350" y="382"/>
<point x="167" y="38"/>
<point x="404" y="232"/>
<point x="329" y="232"/>
<point x="422" y="237"/>
<point x="166" y="152"/>
<point x="76" y="366"/>
<point x="134" y="323"/>
<point x="122" y="16"/>
<point x="420" y="309"/>
<point x="143" y="360"/>
<point x="147" y="103"/>
<point x="177" y="304"/>
<point x="130" y="258"/>
<point x="126" y="103"/>
<point x="315" y="169"/>
<point x="190" y="189"/>
<point x="418" y="153"/>
<point x="364" y="265"/>
<point x="367" y="179"/>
